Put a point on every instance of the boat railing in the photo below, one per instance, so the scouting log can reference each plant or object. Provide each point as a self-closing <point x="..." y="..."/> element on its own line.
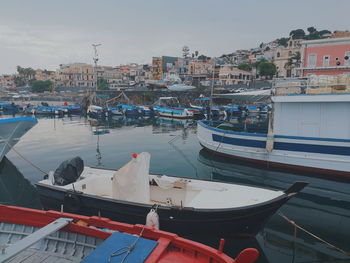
<point x="322" y="84"/>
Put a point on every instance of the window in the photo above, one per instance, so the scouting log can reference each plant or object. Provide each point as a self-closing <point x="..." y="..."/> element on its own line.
<point x="278" y="54"/>
<point x="290" y="53"/>
<point x="326" y="61"/>
<point x="312" y="60"/>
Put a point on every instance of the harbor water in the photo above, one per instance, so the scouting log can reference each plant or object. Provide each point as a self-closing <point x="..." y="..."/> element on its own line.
<point x="323" y="207"/>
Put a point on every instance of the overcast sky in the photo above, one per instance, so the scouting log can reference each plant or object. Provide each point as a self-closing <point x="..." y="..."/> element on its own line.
<point x="46" y="33"/>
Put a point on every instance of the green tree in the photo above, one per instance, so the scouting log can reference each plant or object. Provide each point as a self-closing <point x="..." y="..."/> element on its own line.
<point x="203" y="58"/>
<point x="245" y="66"/>
<point x="102" y="84"/>
<point x="267" y="69"/>
<point x="297" y="33"/>
<point x="26" y="74"/>
<point x="196" y="53"/>
<point x="39" y="86"/>
<point x="283" y="41"/>
<point x="311" y="30"/>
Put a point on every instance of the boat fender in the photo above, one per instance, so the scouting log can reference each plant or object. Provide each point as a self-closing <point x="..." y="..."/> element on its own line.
<point x="71" y="202"/>
<point x="152" y="219"/>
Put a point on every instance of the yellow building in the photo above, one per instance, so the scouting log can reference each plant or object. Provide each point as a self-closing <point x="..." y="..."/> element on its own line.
<point x="230" y="75"/>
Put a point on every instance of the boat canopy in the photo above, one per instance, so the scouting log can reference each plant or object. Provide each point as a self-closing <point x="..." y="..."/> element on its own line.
<point x="131" y="182"/>
<point x="256" y="95"/>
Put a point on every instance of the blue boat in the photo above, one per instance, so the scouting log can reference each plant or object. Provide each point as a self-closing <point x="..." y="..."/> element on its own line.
<point x="130" y="110"/>
<point x="115" y="111"/>
<point x="8" y="107"/>
<point x="11" y="130"/>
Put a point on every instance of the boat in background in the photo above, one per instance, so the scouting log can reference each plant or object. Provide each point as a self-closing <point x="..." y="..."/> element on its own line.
<point x="28" y="235"/>
<point x="309" y="130"/>
<point x="95" y="111"/>
<point x="180" y="87"/>
<point x="170" y="107"/>
<point x="11" y="130"/>
<point x="185" y="206"/>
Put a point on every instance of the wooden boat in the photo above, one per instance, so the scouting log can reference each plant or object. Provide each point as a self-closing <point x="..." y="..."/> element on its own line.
<point x="185" y="206"/>
<point x="28" y="235"/>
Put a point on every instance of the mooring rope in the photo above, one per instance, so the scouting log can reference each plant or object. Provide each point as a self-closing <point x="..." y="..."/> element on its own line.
<point x="127" y="249"/>
<point x="296" y="226"/>
<point x="24" y="158"/>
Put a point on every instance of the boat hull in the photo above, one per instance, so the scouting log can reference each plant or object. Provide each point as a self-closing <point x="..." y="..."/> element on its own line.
<point x="11" y="130"/>
<point x="237" y="222"/>
<point x="293" y="153"/>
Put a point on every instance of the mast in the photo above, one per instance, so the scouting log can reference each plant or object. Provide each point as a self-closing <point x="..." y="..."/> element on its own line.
<point x="212" y="91"/>
<point x="95" y="58"/>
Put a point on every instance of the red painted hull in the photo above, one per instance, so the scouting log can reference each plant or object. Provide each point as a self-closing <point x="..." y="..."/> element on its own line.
<point x="170" y="248"/>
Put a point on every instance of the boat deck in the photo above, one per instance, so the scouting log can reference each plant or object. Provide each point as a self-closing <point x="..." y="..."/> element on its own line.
<point x="59" y="247"/>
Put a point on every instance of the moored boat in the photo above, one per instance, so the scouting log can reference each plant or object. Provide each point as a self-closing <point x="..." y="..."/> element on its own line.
<point x="185" y="206"/>
<point x="11" y="130"/>
<point x="29" y="235"/>
<point x="308" y="130"/>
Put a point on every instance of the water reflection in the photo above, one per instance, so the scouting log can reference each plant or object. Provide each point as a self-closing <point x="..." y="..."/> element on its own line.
<point x="15" y="189"/>
<point x="323" y="208"/>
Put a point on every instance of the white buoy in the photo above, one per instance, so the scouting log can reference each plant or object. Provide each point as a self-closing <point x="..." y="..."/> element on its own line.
<point x="152" y="219"/>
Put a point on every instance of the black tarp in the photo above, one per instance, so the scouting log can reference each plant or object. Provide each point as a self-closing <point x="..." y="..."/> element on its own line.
<point x="69" y="171"/>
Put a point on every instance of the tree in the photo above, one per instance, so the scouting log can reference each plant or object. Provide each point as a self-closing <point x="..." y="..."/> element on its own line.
<point x="203" y="58"/>
<point x="185" y="51"/>
<point x="283" y="41"/>
<point x="196" y="53"/>
<point x="311" y="30"/>
<point x="245" y="66"/>
<point x="39" y="86"/>
<point x="297" y="33"/>
<point x="26" y="74"/>
<point x="267" y="69"/>
<point x="267" y="48"/>
<point x="102" y="84"/>
<point x="19" y="81"/>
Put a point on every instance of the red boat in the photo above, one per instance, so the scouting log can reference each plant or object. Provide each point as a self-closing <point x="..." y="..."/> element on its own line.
<point x="33" y="235"/>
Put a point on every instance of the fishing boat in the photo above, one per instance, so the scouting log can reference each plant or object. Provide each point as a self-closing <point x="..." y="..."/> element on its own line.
<point x="95" y="111"/>
<point x="115" y="111"/>
<point x="170" y="107"/>
<point x="11" y="130"/>
<point x="28" y="235"/>
<point x="130" y="110"/>
<point x="309" y="128"/>
<point x="8" y="107"/>
<point x="185" y="206"/>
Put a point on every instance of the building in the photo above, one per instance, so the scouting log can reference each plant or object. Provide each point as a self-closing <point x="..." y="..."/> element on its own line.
<point x="230" y="75"/>
<point x="45" y="75"/>
<point x="282" y="55"/>
<point x="326" y="56"/>
<point x="76" y="75"/>
<point x="162" y="65"/>
<point x="340" y="34"/>
<point x="6" y="81"/>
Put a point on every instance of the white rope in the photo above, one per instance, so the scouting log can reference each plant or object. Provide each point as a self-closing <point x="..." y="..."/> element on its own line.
<point x="24" y="158"/>
<point x="314" y="236"/>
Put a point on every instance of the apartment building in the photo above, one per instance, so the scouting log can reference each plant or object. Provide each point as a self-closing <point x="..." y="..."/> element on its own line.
<point x="329" y="56"/>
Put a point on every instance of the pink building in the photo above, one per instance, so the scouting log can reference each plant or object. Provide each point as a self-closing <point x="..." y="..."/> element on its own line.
<point x="329" y="56"/>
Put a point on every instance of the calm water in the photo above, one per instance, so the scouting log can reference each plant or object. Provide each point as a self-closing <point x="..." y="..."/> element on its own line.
<point x="323" y="207"/>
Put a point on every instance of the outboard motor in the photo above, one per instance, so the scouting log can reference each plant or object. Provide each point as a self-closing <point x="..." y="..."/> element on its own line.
<point x="68" y="171"/>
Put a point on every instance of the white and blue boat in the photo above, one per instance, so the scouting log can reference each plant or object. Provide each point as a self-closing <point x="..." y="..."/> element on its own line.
<point x="308" y="131"/>
<point x="11" y="130"/>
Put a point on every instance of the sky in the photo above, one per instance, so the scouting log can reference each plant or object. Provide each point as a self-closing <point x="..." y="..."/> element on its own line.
<point x="46" y="33"/>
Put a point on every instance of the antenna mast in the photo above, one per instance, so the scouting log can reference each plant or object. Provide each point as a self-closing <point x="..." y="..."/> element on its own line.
<point x="95" y="58"/>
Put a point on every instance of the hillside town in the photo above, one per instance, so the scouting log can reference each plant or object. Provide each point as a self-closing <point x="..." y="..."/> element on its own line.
<point x="294" y="56"/>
